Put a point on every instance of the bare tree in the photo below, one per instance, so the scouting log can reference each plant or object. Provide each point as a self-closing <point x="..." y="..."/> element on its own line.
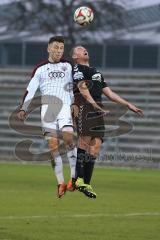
<point x="46" y="16"/>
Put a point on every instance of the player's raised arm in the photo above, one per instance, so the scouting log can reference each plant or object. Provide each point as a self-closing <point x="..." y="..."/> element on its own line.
<point x="29" y="94"/>
<point x="116" y="98"/>
<point x="86" y="94"/>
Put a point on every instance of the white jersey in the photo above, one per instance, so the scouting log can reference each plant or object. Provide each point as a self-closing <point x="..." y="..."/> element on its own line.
<point x="53" y="79"/>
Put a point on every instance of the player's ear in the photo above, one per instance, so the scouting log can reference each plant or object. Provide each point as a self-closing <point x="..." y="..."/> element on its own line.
<point x="72" y="53"/>
<point x="74" y="56"/>
<point x="48" y="48"/>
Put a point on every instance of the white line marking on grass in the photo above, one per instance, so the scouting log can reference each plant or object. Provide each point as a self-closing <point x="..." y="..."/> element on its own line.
<point x="116" y="215"/>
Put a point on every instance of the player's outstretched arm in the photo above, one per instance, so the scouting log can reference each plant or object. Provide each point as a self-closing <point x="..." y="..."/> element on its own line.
<point x="133" y="108"/>
<point x="116" y="98"/>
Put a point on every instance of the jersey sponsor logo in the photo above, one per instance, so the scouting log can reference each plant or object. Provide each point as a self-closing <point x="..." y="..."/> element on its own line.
<point x="56" y="74"/>
<point x="78" y="76"/>
<point x="97" y="77"/>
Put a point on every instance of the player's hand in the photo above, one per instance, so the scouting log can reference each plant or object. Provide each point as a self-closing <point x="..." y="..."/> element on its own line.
<point x="21" y="115"/>
<point x="74" y="110"/>
<point x="104" y="112"/>
<point x="101" y="110"/>
<point x="135" y="109"/>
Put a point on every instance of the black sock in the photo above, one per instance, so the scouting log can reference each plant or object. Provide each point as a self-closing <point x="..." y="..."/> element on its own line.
<point x="81" y="155"/>
<point x="88" y="168"/>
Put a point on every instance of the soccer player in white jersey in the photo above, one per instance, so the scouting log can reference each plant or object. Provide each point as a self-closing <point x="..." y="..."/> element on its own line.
<point x="52" y="78"/>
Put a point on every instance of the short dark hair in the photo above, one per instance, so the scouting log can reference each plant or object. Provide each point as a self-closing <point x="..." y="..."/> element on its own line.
<point x="56" y="39"/>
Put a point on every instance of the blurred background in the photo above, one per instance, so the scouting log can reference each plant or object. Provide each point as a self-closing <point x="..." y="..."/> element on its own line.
<point x="123" y="42"/>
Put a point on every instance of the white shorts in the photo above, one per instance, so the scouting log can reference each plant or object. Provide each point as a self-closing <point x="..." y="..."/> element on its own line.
<point x="55" y="118"/>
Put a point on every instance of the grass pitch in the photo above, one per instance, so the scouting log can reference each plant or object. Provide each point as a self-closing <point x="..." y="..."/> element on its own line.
<point x="127" y="206"/>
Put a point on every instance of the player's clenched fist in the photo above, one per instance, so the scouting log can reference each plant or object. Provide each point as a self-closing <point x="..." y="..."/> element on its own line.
<point x="21" y="115"/>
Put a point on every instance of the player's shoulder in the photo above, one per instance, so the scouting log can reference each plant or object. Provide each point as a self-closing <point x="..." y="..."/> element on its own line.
<point x="80" y="67"/>
<point x="38" y="66"/>
<point x="66" y="61"/>
<point x="78" y="72"/>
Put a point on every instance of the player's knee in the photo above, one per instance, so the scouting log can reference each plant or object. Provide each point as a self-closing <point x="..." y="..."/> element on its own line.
<point x="84" y="143"/>
<point x="68" y="138"/>
<point x="95" y="147"/>
<point x="94" y="152"/>
<point x="53" y="144"/>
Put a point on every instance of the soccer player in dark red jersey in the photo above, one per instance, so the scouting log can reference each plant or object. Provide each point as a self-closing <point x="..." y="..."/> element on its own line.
<point x="89" y="85"/>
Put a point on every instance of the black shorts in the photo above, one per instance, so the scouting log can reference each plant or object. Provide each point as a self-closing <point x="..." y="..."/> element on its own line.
<point x="90" y="122"/>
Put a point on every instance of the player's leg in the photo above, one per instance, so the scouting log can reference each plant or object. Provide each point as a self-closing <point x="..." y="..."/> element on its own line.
<point x="66" y="127"/>
<point x="57" y="165"/>
<point x="94" y="149"/>
<point x="49" y="126"/>
<point x="84" y="124"/>
<point x="83" y="146"/>
<point x="53" y="146"/>
<point x="96" y="131"/>
<point x="83" y="141"/>
<point x="88" y="148"/>
<point x="71" y="152"/>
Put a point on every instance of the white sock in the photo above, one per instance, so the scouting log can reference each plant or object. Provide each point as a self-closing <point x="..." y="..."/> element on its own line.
<point x="72" y="156"/>
<point x="58" y="168"/>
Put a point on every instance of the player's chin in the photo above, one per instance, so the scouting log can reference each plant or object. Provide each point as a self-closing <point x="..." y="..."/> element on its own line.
<point x="58" y="59"/>
<point x="86" y="57"/>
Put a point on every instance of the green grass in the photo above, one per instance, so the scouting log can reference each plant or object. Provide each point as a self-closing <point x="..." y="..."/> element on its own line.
<point x="127" y="206"/>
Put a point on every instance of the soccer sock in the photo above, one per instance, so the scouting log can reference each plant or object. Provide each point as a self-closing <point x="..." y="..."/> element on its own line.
<point x="58" y="168"/>
<point x="81" y="155"/>
<point x="72" y="155"/>
<point x="88" y="168"/>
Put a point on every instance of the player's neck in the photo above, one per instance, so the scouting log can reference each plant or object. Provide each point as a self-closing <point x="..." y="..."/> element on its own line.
<point x="84" y="62"/>
<point x="51" y="60"/>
